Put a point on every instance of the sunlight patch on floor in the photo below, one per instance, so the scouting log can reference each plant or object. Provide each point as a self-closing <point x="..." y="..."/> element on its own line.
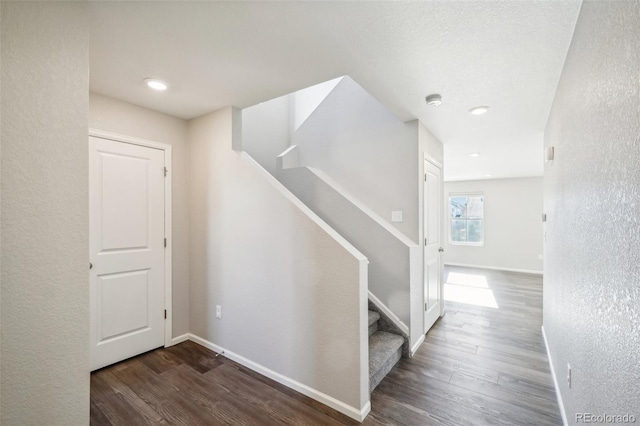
<point x="470" y="289"/>
<point x="469" y="280"/>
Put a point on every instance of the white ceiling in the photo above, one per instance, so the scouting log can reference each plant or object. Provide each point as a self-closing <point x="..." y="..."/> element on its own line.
<point x="505" y="54"/>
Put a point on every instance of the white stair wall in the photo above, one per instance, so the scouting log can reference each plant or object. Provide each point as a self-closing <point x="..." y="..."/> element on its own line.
<point x="366" y="149"/>
<point x="293" y="292"/>
<point x="388" y="250"/>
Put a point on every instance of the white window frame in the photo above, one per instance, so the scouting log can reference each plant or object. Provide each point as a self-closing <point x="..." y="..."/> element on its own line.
<point x="449" y="218"/>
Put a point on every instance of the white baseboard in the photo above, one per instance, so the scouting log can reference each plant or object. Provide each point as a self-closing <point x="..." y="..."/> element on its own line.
<point x="495" y="268"/>
<point x="402" y="326"/>
<point x="555" y="380"/>
<point x="179" y="339"/>
<point x="348" y="410"/>
<point x="417" y="345"/>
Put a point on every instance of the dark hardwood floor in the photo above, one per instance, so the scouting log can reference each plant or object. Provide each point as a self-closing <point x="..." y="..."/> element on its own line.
<point x="483" y="363"/>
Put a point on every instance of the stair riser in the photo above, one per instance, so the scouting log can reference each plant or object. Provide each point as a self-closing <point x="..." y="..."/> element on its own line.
<point x="376" y="378"/>
<point x="373" y="328"/>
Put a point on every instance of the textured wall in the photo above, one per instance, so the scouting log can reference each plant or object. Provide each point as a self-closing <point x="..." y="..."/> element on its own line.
<point x="45" y="227"/>
<point x="292" y="294"/>
<point x="115" y="116"/>
<point x="512" y="224"/>
<point x="591" y="197"/>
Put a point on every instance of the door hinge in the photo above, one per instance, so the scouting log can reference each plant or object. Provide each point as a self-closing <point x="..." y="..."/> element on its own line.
<point x="425" y="177"/>
<point x="166" y="171"/>
<point x="425" y="242"/>
<point x="165" y="314"/>
<point x="165" y="243"/>
<point x="425" y="306"/>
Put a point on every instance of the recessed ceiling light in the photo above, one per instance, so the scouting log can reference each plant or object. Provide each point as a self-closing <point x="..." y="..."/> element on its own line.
<point x="156" y="84"/>
<point x="487" y="175"/>
<point x="479" y="110"/>
<point x="434" y="100"/>
<point x="475" y="154"/>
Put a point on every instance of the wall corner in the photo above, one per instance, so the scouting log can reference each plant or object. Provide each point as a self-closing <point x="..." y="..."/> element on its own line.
<point x="236" y="129"/>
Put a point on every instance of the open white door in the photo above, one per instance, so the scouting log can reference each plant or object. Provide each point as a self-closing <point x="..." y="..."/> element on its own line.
<point x="433" y="298"/>
<point x="127" y="240"/>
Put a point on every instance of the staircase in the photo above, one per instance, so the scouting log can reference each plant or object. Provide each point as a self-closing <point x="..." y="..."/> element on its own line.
<point x="385" y="350"/>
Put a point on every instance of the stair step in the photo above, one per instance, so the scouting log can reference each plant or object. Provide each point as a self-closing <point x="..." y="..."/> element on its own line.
<point x="373" y="317"/>
<point x="373" y="322"/>
<point x="385" y="350"/>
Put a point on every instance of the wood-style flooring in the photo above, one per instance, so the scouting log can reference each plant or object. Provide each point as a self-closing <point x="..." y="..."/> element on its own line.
<point x="479" y="365"/>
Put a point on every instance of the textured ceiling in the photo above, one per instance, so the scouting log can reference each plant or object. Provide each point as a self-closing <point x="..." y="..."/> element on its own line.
<point x="505" y="54"/>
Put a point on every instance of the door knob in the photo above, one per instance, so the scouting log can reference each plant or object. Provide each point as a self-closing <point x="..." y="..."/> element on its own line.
<point x="440" y="249"/>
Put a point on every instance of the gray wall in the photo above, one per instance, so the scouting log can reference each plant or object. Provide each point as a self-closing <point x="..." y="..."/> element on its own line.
<point x="387" y="250"/>
<point x="591" y="197"/>
<point x="265" y="131"/>
<point x="293" y="293"/>
<point x="45" y="224"/>
<point x="512" y="224"/>
<point x="355" y="140"/>
<point x="115" y="116"/>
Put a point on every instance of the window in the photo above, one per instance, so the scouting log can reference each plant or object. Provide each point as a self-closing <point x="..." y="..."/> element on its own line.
<point x="466" y="219"/>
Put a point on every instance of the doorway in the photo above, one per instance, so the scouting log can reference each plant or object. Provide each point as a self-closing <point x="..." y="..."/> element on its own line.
<point x="433" y="291"/>
<point x="130" y="252"/>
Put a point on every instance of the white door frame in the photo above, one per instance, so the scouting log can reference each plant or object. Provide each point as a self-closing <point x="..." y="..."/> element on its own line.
<point x="438" y="164"/>
<point x="167" y="217"/>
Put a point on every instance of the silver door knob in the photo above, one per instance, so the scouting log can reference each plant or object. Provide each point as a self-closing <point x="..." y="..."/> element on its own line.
<point x="440" y="249"/>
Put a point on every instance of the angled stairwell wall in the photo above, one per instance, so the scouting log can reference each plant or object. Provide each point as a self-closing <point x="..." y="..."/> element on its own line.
<point x="372" y="162"/>
<point x="293" y="292"/>
<point x="267" y="128"/>
<point x="388" y="250"/>
<point x="366" y="149"/>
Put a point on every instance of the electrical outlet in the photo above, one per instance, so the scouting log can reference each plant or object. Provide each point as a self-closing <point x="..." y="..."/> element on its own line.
<point x="396" y="216"/>
<point x="218" y="311"/>
<point x="569" y="375"/>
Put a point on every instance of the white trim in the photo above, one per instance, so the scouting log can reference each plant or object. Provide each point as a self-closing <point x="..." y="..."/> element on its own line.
<point x="434" y="162"/>
<point x="471" y="193"/>
<point x="463" y="243"/>
<point x="286" y="151"/>
<point x="354" y="413"/>
<point x="497" y="268"/>
<point x="386" y="225"/>
<point x="289" y="159"/>
<point x="555" y="380"/>
<point x="168" y="257"/>
<point x="417" y="345"/>
<point x="304" y="208"/>
<point x="127" y="139"/>
<point x="181" y="338"/>
<point x="168" y="252"/>
<point x="385" y="310"/>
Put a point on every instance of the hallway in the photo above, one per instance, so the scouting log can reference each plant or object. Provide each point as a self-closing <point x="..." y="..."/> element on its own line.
<point x="483" y="363"/>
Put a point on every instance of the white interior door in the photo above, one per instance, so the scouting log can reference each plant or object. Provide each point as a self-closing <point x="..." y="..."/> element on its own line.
<point x="433" y="298"/>
<point x="126" y="200"/>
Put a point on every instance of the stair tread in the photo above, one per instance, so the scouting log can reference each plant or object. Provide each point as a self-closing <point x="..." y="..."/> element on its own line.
<point x="382" y="345"/>
<point x="373" y="317"/>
